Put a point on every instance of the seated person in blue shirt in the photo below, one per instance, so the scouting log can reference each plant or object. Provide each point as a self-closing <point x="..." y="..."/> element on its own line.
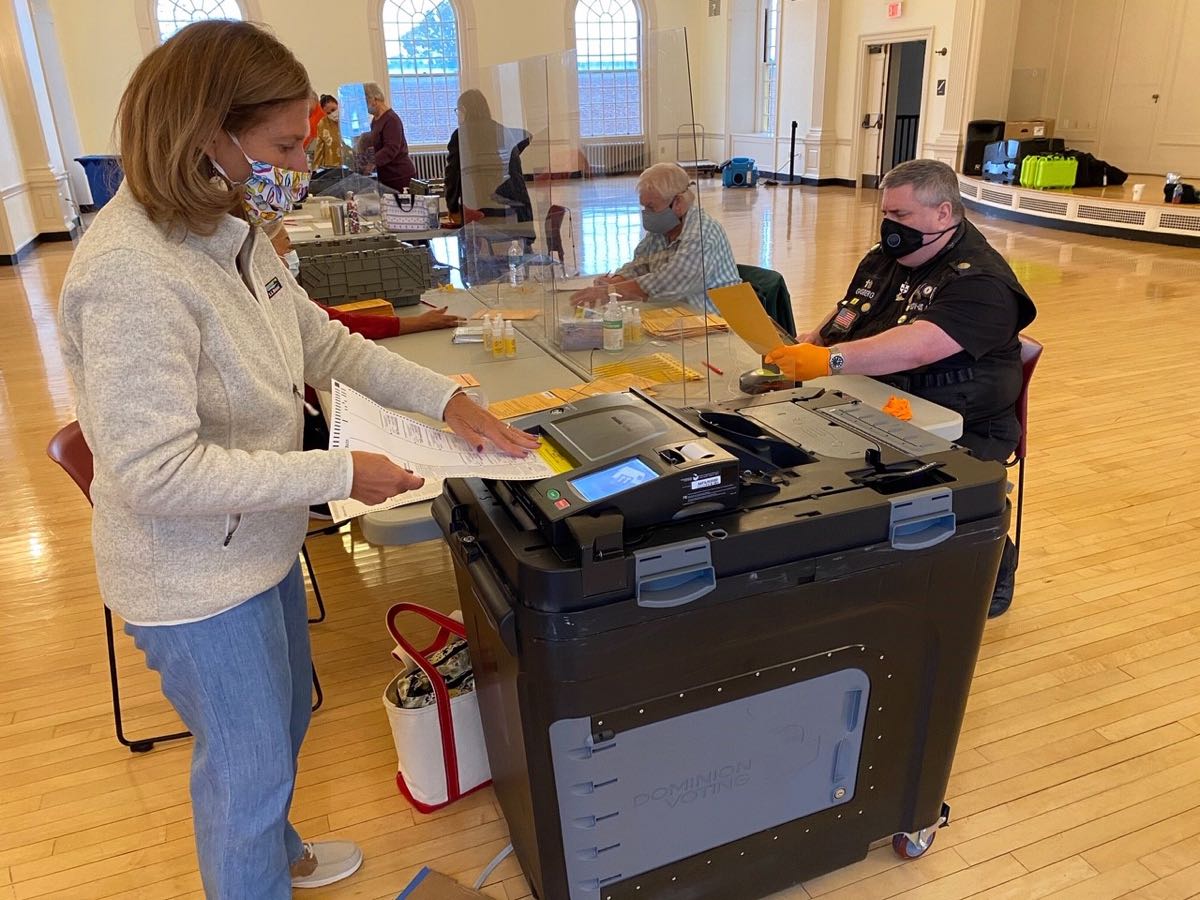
<point x="683" y="254"/>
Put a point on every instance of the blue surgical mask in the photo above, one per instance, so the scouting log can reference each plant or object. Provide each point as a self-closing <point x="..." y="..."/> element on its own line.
<point x="659" y="222"/>
<point x="292" y="258"/>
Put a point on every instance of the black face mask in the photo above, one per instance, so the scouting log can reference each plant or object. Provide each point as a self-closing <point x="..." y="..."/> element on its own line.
<point x="897" y="240"/>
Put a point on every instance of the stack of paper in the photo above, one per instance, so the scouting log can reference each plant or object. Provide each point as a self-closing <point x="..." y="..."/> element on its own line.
<point x="359" y="423"/>
<point x="661" y="367"/>
<point x="543" y="400"/>
<point x="468" y="334"/>
<point x="512" y="315"/>
<point x="675" y="322"/>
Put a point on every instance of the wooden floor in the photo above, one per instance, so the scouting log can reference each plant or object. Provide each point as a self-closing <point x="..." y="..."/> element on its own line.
<point x="1078" y="770"/>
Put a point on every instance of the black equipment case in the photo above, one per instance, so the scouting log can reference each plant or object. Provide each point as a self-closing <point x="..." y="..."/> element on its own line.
<point x="1002" y="159"/>
<point x="749" y="691"/>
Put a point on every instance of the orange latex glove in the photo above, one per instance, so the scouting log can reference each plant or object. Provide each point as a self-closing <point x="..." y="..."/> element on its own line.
<point x="800" y="362"/>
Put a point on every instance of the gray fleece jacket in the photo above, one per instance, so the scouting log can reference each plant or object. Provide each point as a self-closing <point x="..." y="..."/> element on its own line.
<point x="190" y="394"/>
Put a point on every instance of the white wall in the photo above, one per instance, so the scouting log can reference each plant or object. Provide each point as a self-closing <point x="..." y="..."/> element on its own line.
<point x="100" y="47"/>
<point x="101" y="44"/>
<point x="1093" y="64"/>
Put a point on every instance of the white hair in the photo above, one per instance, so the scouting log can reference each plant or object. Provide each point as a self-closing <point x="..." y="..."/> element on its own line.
<point x="373" y="91"/>
<point x="668" y="180"/>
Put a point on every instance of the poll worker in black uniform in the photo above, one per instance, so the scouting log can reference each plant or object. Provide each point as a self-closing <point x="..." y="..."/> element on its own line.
<point x="934" y="311"/>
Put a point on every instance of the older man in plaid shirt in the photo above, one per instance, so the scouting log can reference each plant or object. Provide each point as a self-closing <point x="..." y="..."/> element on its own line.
<point x="684" y="252"/>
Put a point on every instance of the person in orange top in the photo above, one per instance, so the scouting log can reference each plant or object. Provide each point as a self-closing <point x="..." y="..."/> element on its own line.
<point x="315" y="114"/>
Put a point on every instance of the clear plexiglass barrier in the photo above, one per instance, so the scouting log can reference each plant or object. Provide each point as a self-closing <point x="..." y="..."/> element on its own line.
<point x="609" y="279"/>
<point x="560" y="228"/>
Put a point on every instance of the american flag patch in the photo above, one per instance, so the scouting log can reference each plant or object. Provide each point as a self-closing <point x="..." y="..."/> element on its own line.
<point x="846" y="317"/>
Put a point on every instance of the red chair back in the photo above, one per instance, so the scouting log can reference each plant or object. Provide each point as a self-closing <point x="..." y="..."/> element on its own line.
<point x="69" y="449"/>
<point x="1031" y="352"/>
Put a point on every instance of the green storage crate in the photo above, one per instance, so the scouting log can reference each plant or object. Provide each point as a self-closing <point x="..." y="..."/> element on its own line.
<point x="341" y="270"/>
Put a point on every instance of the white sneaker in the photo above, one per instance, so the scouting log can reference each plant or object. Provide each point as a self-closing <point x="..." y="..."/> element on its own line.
<point x="325" y="862"/>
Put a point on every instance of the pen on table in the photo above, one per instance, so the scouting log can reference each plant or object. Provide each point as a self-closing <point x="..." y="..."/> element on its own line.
<point x="430" y="305"/>
<point x="712" y="368"/>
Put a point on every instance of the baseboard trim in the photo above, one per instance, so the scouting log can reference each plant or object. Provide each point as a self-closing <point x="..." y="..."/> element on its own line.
<point x="48" y="237"/>
<point x="1128" y="234"/>
<point x="807" y="180"/>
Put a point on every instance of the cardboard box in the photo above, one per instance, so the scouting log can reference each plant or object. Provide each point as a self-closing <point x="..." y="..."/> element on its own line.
<point x="431" y="885"/>
<point x="376" y="307"/>
<point x="1025" y="129"/>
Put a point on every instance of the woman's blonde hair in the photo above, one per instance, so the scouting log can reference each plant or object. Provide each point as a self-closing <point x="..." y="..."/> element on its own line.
<point x="211" y="76"/>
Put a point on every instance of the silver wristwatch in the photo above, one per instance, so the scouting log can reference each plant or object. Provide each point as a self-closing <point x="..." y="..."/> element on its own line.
<point x="837" y="360"/>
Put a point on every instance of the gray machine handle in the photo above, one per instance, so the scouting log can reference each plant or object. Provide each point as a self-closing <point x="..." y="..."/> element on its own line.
<point x="496" y="608"/>
<point x="922" y="520"/>
<point x="927" y="531"/>
<point x="674" y="575"/>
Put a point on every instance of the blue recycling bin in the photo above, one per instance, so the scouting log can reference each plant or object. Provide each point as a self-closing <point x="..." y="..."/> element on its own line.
<point x="104" y="176"/>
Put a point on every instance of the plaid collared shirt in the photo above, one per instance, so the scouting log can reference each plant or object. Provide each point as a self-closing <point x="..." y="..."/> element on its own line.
<point x="699" y="259"/>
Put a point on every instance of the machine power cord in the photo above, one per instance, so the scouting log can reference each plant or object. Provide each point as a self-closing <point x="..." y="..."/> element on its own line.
<point x="491" y="867"/>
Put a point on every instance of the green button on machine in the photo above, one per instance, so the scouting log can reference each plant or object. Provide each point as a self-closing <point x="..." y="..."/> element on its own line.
<point x="552" y="494"/>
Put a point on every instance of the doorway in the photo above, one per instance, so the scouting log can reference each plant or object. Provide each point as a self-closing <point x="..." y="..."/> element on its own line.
<point x="893" y="80"/>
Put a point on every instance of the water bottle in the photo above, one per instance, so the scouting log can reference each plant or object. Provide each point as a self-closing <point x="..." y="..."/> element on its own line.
<point x="515" y="257"/>
<point x="614" y="325"/>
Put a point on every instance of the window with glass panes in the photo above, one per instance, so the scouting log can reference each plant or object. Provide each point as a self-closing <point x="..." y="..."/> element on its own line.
<point x="608" y="51"/>
<point x="768" y="80"/>
<point x="420" y="39"/>
<point x="172" y="15"/>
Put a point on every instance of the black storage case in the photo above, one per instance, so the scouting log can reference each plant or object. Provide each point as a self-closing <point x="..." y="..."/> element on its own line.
<point x="980" y="133"/>
<point x="1002" y="159"/>
<point x="763" y="734"/>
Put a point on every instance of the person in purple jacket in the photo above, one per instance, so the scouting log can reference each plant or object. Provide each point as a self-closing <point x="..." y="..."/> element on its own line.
<point x="392" y="162"/>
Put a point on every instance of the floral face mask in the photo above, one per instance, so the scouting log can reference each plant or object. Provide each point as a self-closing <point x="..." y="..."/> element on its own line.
<point x="269" y="191"/>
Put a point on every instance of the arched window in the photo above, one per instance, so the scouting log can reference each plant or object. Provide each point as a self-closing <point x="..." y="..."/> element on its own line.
<point x="608" y="51"/>
<point x="171" y="15"/>
<point x="420" y="39"/>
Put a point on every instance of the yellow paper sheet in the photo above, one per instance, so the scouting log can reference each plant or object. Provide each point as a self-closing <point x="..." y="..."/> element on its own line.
<point x="466" y="379"/>
<point x="661" y="367"/>
<point x="740" y="307"/>
<point x="555" y="458"/>
<point x="513" y="315"/>
<point x="523" y="406"/>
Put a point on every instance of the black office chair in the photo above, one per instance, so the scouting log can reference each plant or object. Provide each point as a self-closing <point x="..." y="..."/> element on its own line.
<point x="69" y="449"/>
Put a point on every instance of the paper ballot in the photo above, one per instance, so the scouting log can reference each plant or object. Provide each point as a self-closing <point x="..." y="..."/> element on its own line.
<point x="739" y="306"/>
<point x="359" y="423"/>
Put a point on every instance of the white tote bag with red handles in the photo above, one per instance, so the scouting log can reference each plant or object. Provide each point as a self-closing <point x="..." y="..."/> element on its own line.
<point x="439" y="748"/>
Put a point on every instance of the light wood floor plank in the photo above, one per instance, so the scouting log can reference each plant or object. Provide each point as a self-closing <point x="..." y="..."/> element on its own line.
<point x="1076" y="774"/>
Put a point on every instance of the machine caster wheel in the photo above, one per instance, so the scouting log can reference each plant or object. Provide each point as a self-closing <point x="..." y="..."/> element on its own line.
<point x="907" y="847"/>
<point x="141" y="746"/>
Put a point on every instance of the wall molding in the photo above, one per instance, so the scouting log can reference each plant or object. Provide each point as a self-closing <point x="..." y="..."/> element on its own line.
<point x="53" y="237"/>
<point x="861" y="64"/>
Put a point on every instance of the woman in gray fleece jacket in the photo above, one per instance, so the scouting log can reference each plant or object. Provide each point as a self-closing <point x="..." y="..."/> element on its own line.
<point x="190" y="346"/>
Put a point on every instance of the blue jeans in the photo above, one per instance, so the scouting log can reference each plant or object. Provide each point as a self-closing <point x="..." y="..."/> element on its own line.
<point x="242" y="682"/>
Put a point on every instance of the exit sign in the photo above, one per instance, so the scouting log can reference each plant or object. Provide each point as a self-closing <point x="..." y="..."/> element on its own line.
<point x="895" y="9"/>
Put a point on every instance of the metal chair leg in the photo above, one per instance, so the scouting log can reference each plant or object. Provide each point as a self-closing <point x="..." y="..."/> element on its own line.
<point x="317" y="690"/>
<point x="1020" y="506"/>
<point x="312" y="577"/>
<point x="140" y="745"/>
